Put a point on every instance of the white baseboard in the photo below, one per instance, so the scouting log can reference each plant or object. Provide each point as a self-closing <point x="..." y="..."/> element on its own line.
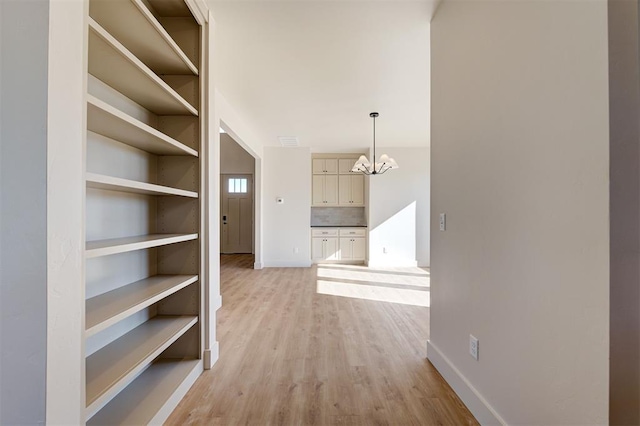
<point x="257" y="265"/>
<point x="211" y="356"/>
<point x="479" y="407"/>
<point x="287" y="264"/>
<point x="217" y="303"/>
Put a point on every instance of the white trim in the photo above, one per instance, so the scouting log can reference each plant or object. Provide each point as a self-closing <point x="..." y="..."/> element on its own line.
<point x="257" y="265"/>
<point x="475" y="402"/>
<point x="211" y="356"/>
<point x="287" y="264"/>
<point x="216" y="302"/>
<point x="199" y="10"/>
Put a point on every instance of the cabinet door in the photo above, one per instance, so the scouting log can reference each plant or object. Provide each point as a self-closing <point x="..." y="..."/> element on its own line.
<point x="344" y="190"/>
<point x="317" y="246"/>
<point x="330" y="190"/>
<point x="317" y="190"/>
<point x="345" y="165"/>
<point x="358" y="248"/>
<point x="317" y="166"/>
<point x="331" y="251"/>
<point x="357" y="190"/>
<point x="346" y="248"/>
<point x="331" y="166"/>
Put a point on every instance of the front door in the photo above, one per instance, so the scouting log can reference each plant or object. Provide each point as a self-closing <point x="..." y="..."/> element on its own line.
<point x="236" y="214"/>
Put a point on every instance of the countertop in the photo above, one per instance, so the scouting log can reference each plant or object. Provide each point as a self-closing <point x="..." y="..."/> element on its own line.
<point x="338" y="226"/>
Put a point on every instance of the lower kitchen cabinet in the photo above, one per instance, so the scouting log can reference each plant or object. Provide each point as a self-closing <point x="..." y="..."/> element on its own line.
<point x="338" y="244"/>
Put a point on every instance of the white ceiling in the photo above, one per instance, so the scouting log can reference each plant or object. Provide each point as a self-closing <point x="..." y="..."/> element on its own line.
<point x="315" y="69"/>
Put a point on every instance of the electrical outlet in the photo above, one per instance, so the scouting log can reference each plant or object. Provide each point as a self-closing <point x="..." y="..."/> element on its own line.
<point x="473" y="347"/>
<point x="443" y="222"/>
<point x="384" y="250"/>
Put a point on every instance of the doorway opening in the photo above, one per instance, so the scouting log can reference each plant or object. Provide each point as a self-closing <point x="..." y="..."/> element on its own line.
<point x="237" y="199"/>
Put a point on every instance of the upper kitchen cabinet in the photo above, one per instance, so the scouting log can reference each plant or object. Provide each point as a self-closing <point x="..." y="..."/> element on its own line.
<point x="325" y="166"/>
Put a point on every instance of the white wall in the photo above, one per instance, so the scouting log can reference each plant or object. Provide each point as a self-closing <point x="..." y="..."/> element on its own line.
<point x="287" y="174"/>
<point x="399" y="210"/>
<point x="624" y="86"/>
<point x="233" y="158"/>
<point x="520" y="165"/>
<point x="23" y="213"/>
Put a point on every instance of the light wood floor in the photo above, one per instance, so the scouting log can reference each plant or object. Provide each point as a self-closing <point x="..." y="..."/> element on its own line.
<point x="291" y="356"/>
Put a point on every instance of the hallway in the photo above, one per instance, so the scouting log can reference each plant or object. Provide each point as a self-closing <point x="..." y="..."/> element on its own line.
<point x="289" y="355"/>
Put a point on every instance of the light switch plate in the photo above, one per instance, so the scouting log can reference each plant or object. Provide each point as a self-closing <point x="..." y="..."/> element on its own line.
<point x="443" y="221"/>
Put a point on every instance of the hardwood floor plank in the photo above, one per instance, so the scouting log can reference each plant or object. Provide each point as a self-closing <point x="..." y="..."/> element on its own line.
<point x="292" y="356"/>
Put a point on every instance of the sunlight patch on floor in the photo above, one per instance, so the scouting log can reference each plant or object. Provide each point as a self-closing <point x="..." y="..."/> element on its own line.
<point x="373" y="277"/>
<point x="413" y="270"/>
<point x="374" y="292"/>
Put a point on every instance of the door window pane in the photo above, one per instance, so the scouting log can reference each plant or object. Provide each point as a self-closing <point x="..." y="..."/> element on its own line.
<point x="237" y="186"/>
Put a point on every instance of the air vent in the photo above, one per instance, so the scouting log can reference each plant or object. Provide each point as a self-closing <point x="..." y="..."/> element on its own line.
<point x="289" y="141"/>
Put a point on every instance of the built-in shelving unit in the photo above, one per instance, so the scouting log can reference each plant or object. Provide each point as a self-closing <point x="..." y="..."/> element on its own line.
<point x="150" y="43"/>
<point x="108" y="308"/>
<point x="111" y="183"/>
<point x="113" y="64"/>
<point x="142" y="402"/>
<point x="144" y="221"/>
<point x="113" y="367"/>
<point x="123" y="245"/>
<point x="110" y="122"/>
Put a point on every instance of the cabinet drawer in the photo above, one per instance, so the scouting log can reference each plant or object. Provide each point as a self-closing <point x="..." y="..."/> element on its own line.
<point x="327" y="232"/>
<point x="353" y="232"/>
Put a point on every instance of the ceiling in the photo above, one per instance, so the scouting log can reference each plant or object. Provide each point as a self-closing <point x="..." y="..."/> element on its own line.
<point x="315" y="69"/>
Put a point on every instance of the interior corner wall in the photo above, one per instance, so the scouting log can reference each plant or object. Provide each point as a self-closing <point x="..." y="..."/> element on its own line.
<point x="287" y="174"/>
<point x="520" y="157"/>
<point x="24" y="33"/>
<point x="399" y="214"/>
<point x="624" y="94"/>
<point x="233" y="158"/>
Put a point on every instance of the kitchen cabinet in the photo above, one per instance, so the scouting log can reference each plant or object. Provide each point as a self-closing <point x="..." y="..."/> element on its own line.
<point x="351" y="190"/>
<point x="345" y="165"/>
<point x="325" y="166"/>
<point x="324" y="244"/>
<point x="338" y="244"/>
<point x="325" y="190"/>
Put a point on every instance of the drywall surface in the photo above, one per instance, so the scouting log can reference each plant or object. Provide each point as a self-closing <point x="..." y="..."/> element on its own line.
<point x="520" y="166"/>
<point x="233" y="158"/>
<point x="24" y="32"/>
<point x="399" y="210"/>
<point x="624" y="95"/>
<point x="287" y="174"/>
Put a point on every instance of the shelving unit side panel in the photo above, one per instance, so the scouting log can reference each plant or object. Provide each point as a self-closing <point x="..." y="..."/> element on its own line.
<point x="185" y="31"/>
<point x="182" y="259"/>
<point x="179" y="172"/>
<point x="182" y="128"/>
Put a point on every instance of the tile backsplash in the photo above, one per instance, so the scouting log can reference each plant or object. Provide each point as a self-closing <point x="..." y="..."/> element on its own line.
<point x="338" y="216"/>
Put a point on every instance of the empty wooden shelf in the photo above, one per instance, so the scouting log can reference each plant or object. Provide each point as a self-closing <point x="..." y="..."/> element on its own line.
<point x="123" y="245"/>
<point x="113" y="367"/>
<point x="111" y="183"/>
<point x="133" y="24"/>
<point x="109" y="121"/>
<point x="142" y="401"/>
<point x="107" y="309"/>
<point x="112" y="63"/>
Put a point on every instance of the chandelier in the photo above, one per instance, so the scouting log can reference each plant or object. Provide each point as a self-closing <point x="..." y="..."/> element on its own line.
<point x="377" y="168"/>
